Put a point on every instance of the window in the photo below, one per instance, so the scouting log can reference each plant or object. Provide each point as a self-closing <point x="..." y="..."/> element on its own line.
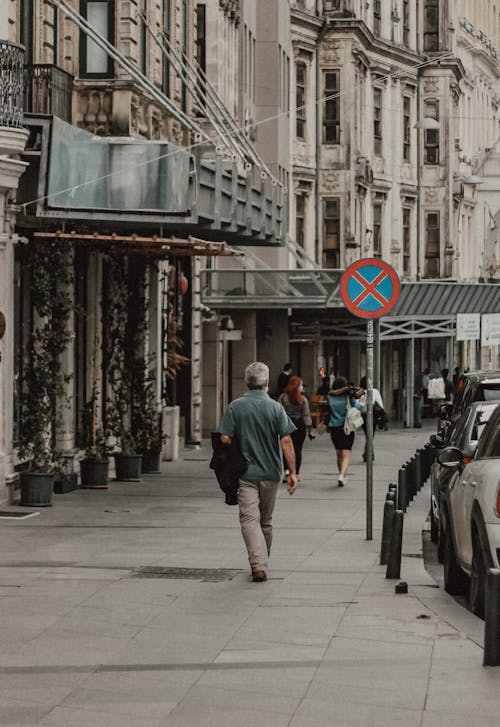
<point x="377" y="17"/>
<point x="143" y="32"/>
<point x="431" y="25"/>
<point x="331" y="121"/>
<point x="184" y="40"/>
<point x="94" y="61"/>
<point x="331" y="232"/>
<point x="406" y="128"/>
<point x="300" y="100"/>
<point x="489" y="444"/>
<point x="167" y="26"/>
<point x="406" y="23"/>
<point x="26" y="19"/>
<point x="300" y="207"/>
<point x="406" y="239"/>
<point x="201" y="54"/>
<point x="432" y="244"/>
<point x="377" y="229"/>
<point x="431" y="136"/>
<point x="377" y="121"/>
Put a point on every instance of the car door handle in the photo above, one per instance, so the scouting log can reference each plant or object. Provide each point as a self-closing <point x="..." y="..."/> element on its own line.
<point x="472" y="483"/>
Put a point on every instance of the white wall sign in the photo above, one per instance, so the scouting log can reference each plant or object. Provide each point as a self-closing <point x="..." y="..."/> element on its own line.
<point x="468" y="326"/>
<point x="490" y="329"/>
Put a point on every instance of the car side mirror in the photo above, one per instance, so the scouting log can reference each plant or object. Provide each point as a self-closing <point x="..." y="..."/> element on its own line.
<point x="450" y="457"/>
<point x="445" y="411"/>
<point x="436" y="441"/>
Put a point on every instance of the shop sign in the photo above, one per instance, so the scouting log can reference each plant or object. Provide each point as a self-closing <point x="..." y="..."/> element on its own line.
<point x="468" y="326"/>
<point x="490" y="329"/>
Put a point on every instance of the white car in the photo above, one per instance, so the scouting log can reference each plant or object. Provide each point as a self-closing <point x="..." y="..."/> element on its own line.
<point x="470" y="515"/>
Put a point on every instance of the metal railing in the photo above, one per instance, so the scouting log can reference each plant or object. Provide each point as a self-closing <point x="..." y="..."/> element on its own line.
<point x="270" y="288"/>
<point x="48" y="90"/>
<point x="11" y="83"/>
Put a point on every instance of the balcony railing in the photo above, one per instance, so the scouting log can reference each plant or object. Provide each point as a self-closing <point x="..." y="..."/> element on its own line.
<point x="48" y="90"/>
<point x="11" y="84"/>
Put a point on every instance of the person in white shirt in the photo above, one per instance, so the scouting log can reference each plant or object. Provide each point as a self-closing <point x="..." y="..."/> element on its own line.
<point x="378" y="409"/>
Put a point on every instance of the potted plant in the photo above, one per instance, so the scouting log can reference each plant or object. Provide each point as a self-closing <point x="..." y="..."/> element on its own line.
<point x="44" y="382"/>
<point x="146" y="424"/>
<point x="94" y="467"/>
<point x="122" y="349"/>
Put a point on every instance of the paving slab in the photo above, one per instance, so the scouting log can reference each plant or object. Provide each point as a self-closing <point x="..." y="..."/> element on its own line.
<point x="325" y="641"/>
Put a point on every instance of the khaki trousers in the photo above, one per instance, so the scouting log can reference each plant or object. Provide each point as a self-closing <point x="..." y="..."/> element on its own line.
<point x="256" y="499"/>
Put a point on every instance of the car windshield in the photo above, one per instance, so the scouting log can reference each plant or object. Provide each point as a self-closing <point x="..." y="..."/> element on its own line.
<point x="482" y="416"/>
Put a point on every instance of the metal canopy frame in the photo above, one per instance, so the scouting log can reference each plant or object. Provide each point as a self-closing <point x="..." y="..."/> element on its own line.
<point x="391" y="329"/>
<point x="157" y="247"/>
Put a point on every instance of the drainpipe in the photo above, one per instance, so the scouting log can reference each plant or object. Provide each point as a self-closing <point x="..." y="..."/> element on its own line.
<point x="319" y="109"/>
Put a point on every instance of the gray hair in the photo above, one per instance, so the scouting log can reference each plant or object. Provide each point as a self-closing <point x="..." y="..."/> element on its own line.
<point x="257" y="375"/>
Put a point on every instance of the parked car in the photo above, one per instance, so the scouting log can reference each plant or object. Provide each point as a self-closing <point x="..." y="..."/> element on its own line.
<point x="470" y="515"/>
<point x="464" y="434"/>
<point x="472" y="386"/>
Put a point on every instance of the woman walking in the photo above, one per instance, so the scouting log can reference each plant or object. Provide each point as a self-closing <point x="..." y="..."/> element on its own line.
<point x="297" y="407"/>
<point x="341" y="392"/>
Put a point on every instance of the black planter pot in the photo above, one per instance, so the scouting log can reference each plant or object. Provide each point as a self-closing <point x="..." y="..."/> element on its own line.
<point x="128" y="467"/>
<point x="151" y="462"/>
<point x="65" y="482"/>
<point x="36" y="489"/>
<point x="94" y="473"/>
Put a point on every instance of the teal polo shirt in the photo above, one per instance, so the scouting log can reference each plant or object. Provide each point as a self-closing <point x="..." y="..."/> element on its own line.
<point x="259" y="423"/>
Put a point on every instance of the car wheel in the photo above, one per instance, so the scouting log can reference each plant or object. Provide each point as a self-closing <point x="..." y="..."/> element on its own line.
<point x="477" y="579"/>
<point x="434" y="527"/>
<point x="454" y="578"/>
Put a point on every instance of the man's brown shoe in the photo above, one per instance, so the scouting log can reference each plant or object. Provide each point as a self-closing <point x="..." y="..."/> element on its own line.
<point x="258" y="576"/>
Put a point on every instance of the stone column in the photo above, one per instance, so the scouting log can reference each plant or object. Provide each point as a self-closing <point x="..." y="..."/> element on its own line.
<point x="12" y="141"/>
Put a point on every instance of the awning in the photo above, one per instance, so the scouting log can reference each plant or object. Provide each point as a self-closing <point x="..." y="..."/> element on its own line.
<point x="446" y="299"/>
<point x="424" y="310"/>
<point x="154" y="246"/>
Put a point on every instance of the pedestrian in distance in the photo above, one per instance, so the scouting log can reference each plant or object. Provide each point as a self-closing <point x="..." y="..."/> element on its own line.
<point x="296" y="406"/>
<point x="284" y="377"/>
<point x="339" y="396"/>
<point x="449" y="388"/>
<point x="263" y="430"/>
<point x="425" y="384"/>
<point x="378" y="411"/>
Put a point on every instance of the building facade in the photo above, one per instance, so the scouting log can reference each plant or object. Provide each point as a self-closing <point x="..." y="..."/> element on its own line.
<point x="393" y="155"/>
<point x="136" y="169"/>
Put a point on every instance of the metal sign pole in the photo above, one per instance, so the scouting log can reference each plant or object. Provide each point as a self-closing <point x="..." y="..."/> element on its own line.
<point x="369" y="289"/>
<point x="369" y="430"/>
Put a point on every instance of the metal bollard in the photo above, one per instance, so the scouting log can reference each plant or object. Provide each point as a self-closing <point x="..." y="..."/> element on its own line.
<point x="394" y="563"/>
<point x="402" y="489"/>
<point x="392" y="496"/>
<point x="419" y="480"/>
<point x="428" y="459"/>
<point x="410" y="479"/>
<point x="389" y="509"/>
<point x="492" y="619"/>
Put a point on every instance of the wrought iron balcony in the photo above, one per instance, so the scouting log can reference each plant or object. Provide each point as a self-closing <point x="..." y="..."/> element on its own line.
<point x="48" y="90"/>
<point x="11" y="84"/>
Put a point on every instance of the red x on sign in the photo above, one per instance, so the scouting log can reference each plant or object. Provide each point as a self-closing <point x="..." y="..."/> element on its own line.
<point x="369" y="288"/>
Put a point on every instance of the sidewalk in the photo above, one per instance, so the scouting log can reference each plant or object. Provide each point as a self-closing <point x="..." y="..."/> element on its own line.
<point x="85" y="642"/>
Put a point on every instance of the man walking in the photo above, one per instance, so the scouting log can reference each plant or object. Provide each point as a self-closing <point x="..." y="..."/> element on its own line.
<point x="263" y="429"/>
